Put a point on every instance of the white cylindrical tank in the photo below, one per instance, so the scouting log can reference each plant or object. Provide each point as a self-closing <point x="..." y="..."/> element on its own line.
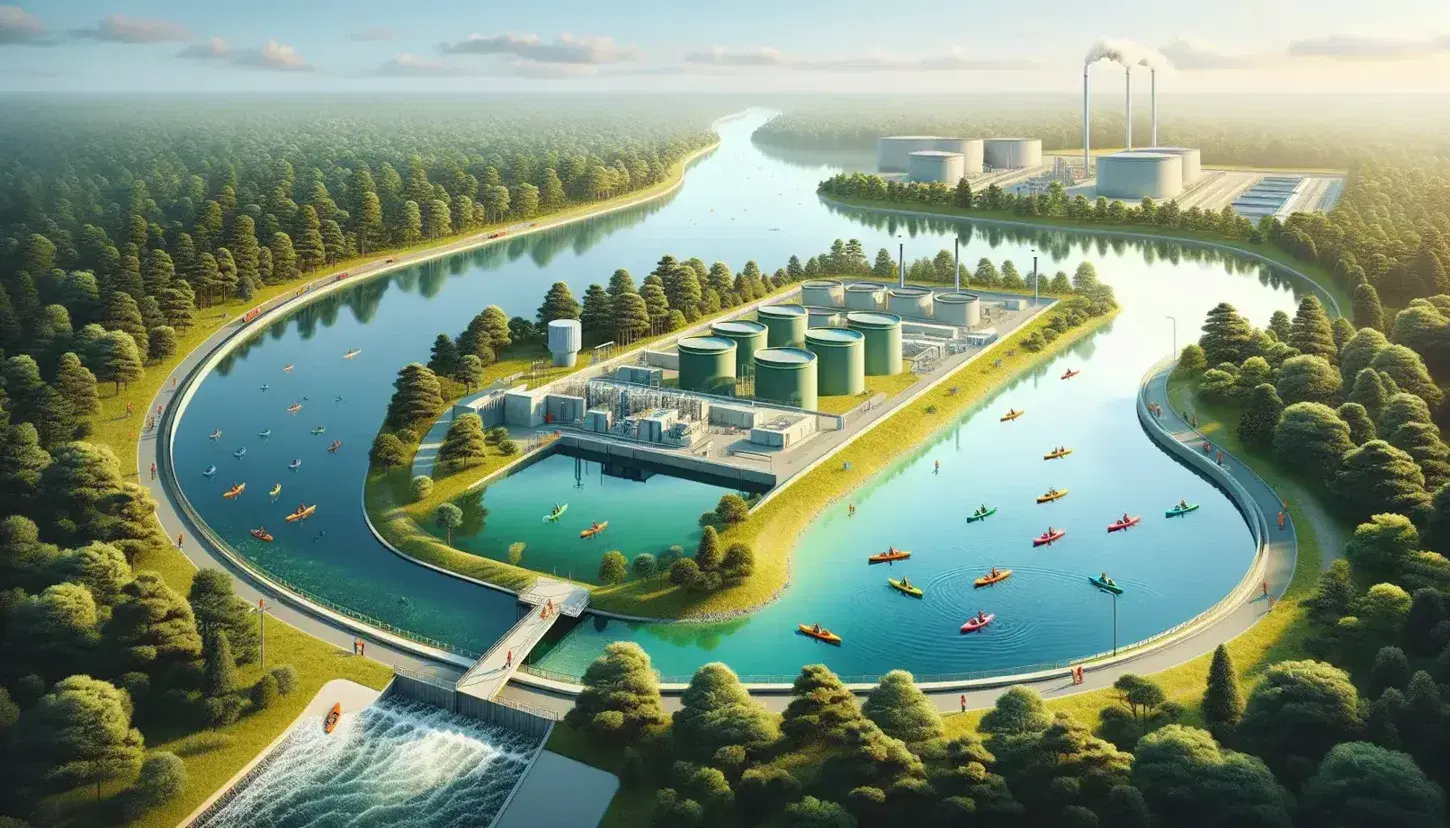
<point x="823" y="293"/>
<point x="893" y="151"/>
<point x="935" y="166"/>
<point x="1192" y="160"/>
<point x="964" y="309"/>
<point x="969" y="148"/>
<point x="865" y="297"/>
<point x="1134" y="176"/>
<point x="911" y="302"/>
<point x="1012" y="153"/>
<point x="565" y="340"/>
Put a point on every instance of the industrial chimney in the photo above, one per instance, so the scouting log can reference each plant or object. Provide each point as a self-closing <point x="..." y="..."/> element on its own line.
<point x="1128" y="72"/>
<point x="1087" y="168"/>
<point x="1153" y="99"/>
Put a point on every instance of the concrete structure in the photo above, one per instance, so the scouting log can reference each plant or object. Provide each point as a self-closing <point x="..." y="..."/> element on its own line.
<point x="935" y="166"/>
<point x="492" y="670"/>
<point x="787" y="375"/>
<point x="842" y="360"/>
<point x="563" y="408"/>
<point x="914" y="302"/>
<point x="823" y="293"/>
<point x="825" y="319"/>
<point x="565" y="340"/>
<point x="1192" y="160"/>
<point x="522" y="407"/>
<point x="598" y="420"/>
<point x="734" y="416"/>
<point x="785" y="325"/>
<point x="640" y="374"/>
<point x="1012" y="153"/>
<point x="707" y="363"/>
<point x="865" y="296"/>
<point x="964" y="309"/>
<point x="748" y="337"/>
<point x="1138" y="175"/>
<point x="883" y="341"/>
<point x="783" y="431"/>
<point x="969" y="148"/>
<point x="893" y="152"/>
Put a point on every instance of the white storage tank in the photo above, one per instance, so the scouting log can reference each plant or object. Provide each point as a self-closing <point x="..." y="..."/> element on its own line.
<point x="911" y="302"/>
<point x="893" y="151"/>
<point x="1134" y="176"/>
<point x="930" y="166"/>
<point x="865" y="296"/>
<point x="565" y="340"/>
<point x="1012" y="153"/>
<point x="969" y="148"/>
<point x="1192" y="160"/>
<point x="823" y="293"/>
<point x="961" y="309"/>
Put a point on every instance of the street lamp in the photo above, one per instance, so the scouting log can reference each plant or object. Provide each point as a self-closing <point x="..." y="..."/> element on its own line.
<point x="1175" y="333"/>
<point x="1035" y="287"/>
<point x="262" y="608"/>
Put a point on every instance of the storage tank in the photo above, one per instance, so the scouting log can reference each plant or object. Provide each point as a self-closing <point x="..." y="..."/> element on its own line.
<point x="969" y="148"/>
<point x="914" y="302"/>
<point x="963" y="309"/>
<point x="842" y="360"/>
<point x="707" y="363"/>
<point x="893" y="151"/>
<point x="785" y="325"/>
<point x="883" y="341"/>
<point x="929" y="166"/>
<point x="823" y="293"/>
<point x="1192" y="160"/>
<point x="1138" y="175"/>
<point x="748" y="337"/>
<point x="865" y="296"/>
<point x="1012" y="153"/>
<point x="786" y="375"/>
<point x="565" y="339"/>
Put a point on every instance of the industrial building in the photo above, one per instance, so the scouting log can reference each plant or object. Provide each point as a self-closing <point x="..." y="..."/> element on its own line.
<point x="748" y="337"/>
<point x="565" y="338"/>
<point x="882" y="333"/>
<point x="840" y="360"/>
<point x="893" y="153"/>
<point x="1012" y="153"/>
<point x="787" y="376"/>
<point x="785" y="325"/>
<point x="935" y="166"/>
<point x="1138" y="175"/>
<point x="707" y="364"/>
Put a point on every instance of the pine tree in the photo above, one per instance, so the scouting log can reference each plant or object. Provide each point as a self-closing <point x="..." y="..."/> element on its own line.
<point x="596" y="316"/>
<point x="118" y="359"/>
<point x="885" y="266"/>
<point x="370" y="223"/>
<point x="227" y="281"/>
<point x="1227" y="336"/>
<point x="284" y="258"/>
<point x="243" y="245"/>
<point x="30" y="400"/>
<point x="178" y="305"/>
<point x="1369" y="392"/>
<point x="123" y="314"/>
<point x="334" y="242"/>
<point x="157" y="272"/>
<point x="77" y="385"/>
<point x="558" y="304"/>
<point x="1223" y="704"/>
<point x="416" y="396"/>
<point x="310" y="251"/>
<point x="1260" y="416"/>
<point x="709" y="555"/>
<point x="496" y="327"/>
<point x="463" y="445"/>
<point x="1310" y="333"/>
<point x="444" y="361"/>
<point x="656" y="304"/>
<point x="219" y="675"/>
<point x="1367" y="311"/>
<point x="631" y="316"/>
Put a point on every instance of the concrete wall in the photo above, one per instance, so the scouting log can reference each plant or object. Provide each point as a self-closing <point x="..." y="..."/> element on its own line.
<point x="668" y="360"/>
<point x="726" y="475"/>
<point x="447" y="698"/>
<point x="523" y="408"/>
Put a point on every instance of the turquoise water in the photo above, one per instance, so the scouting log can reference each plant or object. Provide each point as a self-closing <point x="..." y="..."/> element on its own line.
<point x="736" y="205"/>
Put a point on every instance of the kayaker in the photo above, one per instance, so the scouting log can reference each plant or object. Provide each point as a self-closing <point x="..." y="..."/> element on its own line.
<point x="1125" y="518"/>
<point x="905" y="581"/>
<point x="816" y="628"/>
<point x="981" y="616"/>
<point x="983" y="510"/>
<point x="1183" y="504"/>
<point x="994" y="572"/>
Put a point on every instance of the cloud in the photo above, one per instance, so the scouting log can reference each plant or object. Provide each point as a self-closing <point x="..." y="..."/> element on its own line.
<point x="17" y="26"/>
<point x="274" y="56"/>
<point x="531" y="47"/>
<point x="408" y="65"/>
<point x="376" y="33"/>
<point x="121" y="29"/>
<point x="720" y="56"/>
<point x="212" y="49"/>
<point x="1192" y="55"/>
<point x="1354" y="47"/>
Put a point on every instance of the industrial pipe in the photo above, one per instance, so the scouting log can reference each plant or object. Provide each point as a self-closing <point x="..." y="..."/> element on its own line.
<point x="957" y="262"/>
<point x="1086" y="155"/>
<point x="1128" y="72"/>
<point x="1153" y="100"/>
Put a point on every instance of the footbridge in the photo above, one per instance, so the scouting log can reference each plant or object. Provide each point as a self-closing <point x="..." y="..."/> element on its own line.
<point x="546" y="600"/>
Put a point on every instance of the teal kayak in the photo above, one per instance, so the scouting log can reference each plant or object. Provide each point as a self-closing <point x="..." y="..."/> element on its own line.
<point x="973" y="518"/>
<point x="557" y="513"/>
<point x="1180" y="510"/>
<point x="1105" y="586"/>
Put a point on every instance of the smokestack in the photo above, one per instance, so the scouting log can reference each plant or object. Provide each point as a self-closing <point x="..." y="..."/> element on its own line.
<point x="901" y="265"/>
<point x="957" y="263"/>
<point x="1086" y="155"/>
<point x="1153" y="100"/>
<point x="1128" y="72"/>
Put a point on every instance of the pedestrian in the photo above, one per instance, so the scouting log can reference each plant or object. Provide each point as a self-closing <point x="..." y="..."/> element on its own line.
<point x="153" y="471"/>
<point x="173" y="383"/>
<point x="158" y="411"/>
<point x="178" y="540"/>
<point x="509" y="659"/>
<point x="1220" y="458"/>
<point x="1195" y="420"/>
<point x="362" y="647"/>
<point x="1281" y="520"/>
<point x="964" y="702"/>
<point x="1271" y="603"/>
<point x="1265" y="586"/>
<point x="128" y="408"/>
<point x="354" y="645"/>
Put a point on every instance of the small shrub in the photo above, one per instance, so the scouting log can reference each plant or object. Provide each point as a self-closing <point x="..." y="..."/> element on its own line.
<point x="406" y="436"/>
<point x="286" y="676"/>
<point x="495" y="435"/>
<point x="931" y="409"/>
<point x="1034" y="342"/>
<point x="516" y="552"/>
<point x="162" y="778"/>
<point x="731" y="509"/>
<point x="508" y="448"/>
<point x="613" y="567"/>
<point x="422" y="485"/>
<point x="684" y="572"/>
<point x="264" y="692"/>
<point x="221" y="711"/>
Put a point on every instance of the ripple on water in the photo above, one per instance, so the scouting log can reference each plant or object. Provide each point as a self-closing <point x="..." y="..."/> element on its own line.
<point x="397" y="762"/>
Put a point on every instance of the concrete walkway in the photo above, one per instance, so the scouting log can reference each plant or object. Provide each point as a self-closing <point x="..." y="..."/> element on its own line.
<point x="538" y="803"/>
<point x="493" y="670"/>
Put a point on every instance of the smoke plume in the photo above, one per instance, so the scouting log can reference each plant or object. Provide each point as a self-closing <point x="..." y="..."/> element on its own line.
<point x="1125" y="53"/>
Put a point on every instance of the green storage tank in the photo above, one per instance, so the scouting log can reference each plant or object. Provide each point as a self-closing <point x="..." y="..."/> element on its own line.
<point x="707" y="364"/>
<point x="842" y="360"/>
<point x="785" y="325"/>
<point x="748" y="337"/>
<point x="786" y="375"/>
<point x="883" y="340"/>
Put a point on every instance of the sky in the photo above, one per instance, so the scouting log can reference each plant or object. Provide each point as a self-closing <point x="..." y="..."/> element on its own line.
<point x="749" y="46"/>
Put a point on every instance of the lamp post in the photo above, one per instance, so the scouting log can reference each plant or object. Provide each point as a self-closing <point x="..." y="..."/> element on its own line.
<point x="1036" y="289"/>
<point x="1115" y="622"/>
<point x="262" y="628"/>
<point x="1175" y="333"/>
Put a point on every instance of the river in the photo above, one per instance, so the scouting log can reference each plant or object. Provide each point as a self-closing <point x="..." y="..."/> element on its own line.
<point x="738" y="204"/>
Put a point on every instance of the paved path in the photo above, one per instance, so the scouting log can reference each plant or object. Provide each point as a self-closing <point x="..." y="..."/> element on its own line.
<point x="493" y="670"/>
<point x="538" y="803"/>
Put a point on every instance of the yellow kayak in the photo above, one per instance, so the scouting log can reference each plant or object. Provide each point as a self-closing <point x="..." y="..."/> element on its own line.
<point x="909" y="589"/>
<point x="988" y="580"/>
<point x="824" y="635"/>
<point x="1051" y="496"/>
<point x="234" y="491"/>
<point x="1053" y="455"/>
<point x="1011" y="415"/>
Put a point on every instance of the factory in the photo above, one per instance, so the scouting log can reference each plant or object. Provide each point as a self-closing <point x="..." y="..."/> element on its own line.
<point x="933" y="158"/>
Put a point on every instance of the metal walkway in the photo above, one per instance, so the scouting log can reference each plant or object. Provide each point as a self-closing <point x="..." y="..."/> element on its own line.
<point x="547" y="599"/>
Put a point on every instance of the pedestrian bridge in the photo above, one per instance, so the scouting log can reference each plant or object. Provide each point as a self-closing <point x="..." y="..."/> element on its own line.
<point x="494" y="668"/>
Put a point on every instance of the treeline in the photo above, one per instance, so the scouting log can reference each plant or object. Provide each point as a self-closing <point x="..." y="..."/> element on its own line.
<point x="1291" y="753"/>
<point x="112" y="235"/>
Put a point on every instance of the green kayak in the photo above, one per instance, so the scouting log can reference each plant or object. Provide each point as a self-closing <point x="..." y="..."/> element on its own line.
<point x="1180" y="510"/>
<point x="976" y="516"/>
<point x="906" y="588"/>
<point x="1105" y="586"/>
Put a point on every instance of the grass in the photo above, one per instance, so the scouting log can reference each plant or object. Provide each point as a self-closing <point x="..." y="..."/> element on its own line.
<point x="888" y="385"/>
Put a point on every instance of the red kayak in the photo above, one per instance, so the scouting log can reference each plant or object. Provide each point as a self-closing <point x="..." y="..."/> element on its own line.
<point x="1124" y="524"/>
<point x="974" y="624"/>
<point x="1049" y="537"/>
<point x="1070" y="374"/>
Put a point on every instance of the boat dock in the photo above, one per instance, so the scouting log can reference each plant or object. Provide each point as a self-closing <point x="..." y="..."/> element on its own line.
<point x="494" y="668"/>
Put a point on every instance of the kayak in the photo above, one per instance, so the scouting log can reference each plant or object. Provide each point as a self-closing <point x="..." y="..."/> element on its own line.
<point x="302" y="514"/>
<point x="329" y="723"/>
<point x="336" y="444"/>
<point x="824" y="635"/>
<point x="265" y="386"/>
<point x="265" y="434"/>
<point x="1051" y="496"/>
<point x="350" y="354"/>
<point x="973" y="624"/>
<point x="318" y="430"/>
<point x="1180" y="510"/>
<point x="1070" y="373"/>
<point x="287" y="368"/>
<point x="276" y="490"/>
<point x="210" y="470"/>
<point x="262" y="535"/>
<point x="1053" y="455"/>
<point x="906" y="588"/>
<point x="594" y="530"/>
<point x="558" y="512"/>
<point x="976" y="516"/>
<point x="1124" y="524"/>
<point x="1011" y="415"/>
<point x="294" y="408"/>
<point x="234" y="491"/>
<point x="215" y="435"/>
<point x="988" y="580"/>
<point x="888" y="557"/>
<point x="295" y="465"/>
<point x="1049" y="538"/>
<point x="240" y="453"/>
<point x="1105" y="586"/>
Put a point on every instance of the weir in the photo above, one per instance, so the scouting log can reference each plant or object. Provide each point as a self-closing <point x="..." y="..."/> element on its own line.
<point x="494" y="668"/>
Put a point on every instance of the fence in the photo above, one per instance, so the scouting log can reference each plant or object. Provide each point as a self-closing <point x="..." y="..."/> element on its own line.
<point x="518" y="716"/>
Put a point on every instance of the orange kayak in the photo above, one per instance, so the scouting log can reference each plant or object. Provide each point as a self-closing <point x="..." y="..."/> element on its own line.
<point x="594" y="530"/>
<point x="1011" y="415"/>
<point x="824" y="635"/>
<point x="234" y="491"/>
<point x="329" y="723"/>
<point x="1070" y="374"/>
<point x="988" y="580"/>
<point x="262" y="535"/>
<point x="888" y="557"/>
<point x="302" y="514"/>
